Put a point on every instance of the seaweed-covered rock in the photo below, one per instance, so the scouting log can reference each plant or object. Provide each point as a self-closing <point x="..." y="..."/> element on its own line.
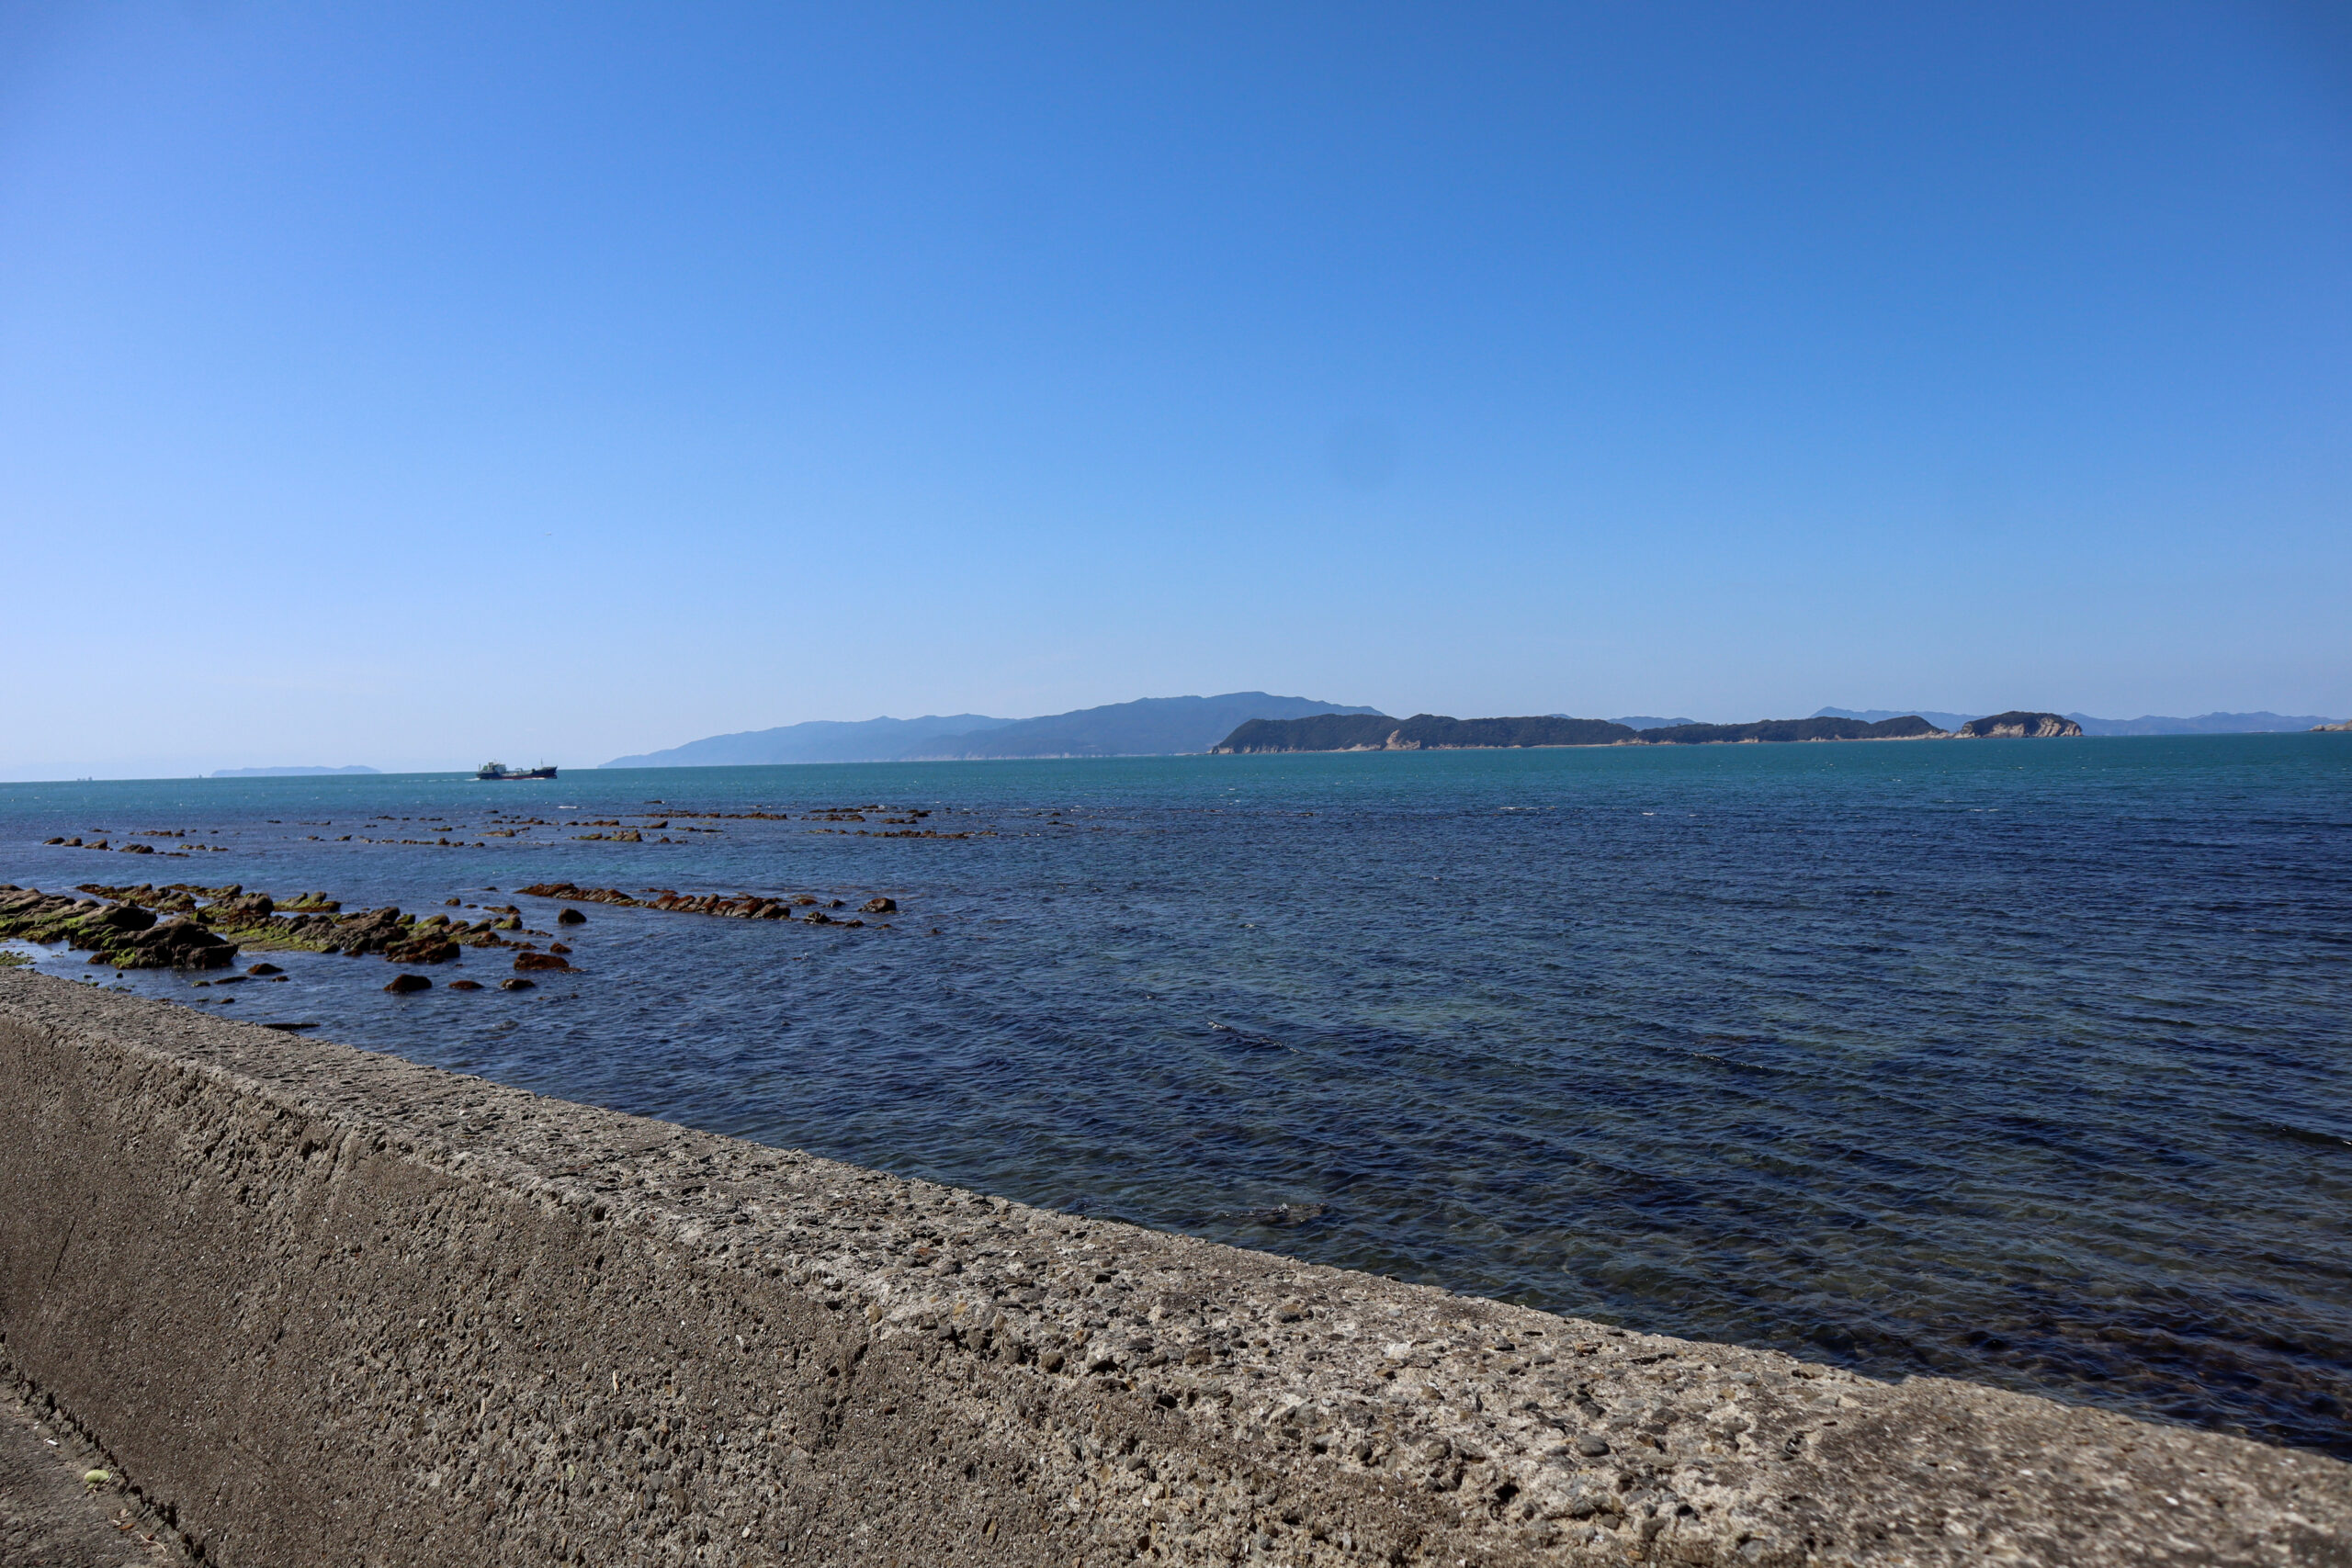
<point x="124" y="935"/>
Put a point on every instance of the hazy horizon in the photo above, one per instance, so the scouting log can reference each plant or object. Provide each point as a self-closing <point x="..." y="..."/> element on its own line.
<point x="321" y="769"/>
<point x="411" y="385"/>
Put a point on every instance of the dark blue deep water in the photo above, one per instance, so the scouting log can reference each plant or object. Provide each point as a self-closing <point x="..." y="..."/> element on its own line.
<point x="2029" y="1062"/>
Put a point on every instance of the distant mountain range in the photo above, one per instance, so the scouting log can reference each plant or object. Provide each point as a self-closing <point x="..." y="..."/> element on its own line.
<point x="2203" y="723"/>
<point x="282" y="772"/>
<point x="1173" y="726"/>
<point x="818" y="741"/>
<point x="1149" y="727"/>
<point x="2147" y="724"/>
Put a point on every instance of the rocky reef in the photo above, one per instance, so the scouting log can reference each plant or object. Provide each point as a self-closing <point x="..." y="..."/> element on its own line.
<point x="124" y="935"/>
<point x="208" y="926"/>
<point x="744" y="907"/>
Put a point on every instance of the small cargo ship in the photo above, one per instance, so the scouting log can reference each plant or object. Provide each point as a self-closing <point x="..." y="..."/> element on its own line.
<point x="499" y="772"/>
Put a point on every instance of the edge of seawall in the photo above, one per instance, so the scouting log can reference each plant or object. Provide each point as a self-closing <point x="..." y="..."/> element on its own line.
<point x="325" y="1304"/>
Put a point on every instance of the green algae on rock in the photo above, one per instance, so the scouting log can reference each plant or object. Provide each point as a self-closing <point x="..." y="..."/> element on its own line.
<point x="125" y="931"/>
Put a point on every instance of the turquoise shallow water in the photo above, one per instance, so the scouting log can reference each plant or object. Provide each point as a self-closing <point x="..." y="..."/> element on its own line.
<point x="2022" y="1061"/>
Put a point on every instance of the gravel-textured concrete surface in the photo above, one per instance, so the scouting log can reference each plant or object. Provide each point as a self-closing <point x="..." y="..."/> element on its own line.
<point x="327" y="1305"/>
<point x="60" y="1505"/>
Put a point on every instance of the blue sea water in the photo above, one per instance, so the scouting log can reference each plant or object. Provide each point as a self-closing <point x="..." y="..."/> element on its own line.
<point x="2028" y="1062"/>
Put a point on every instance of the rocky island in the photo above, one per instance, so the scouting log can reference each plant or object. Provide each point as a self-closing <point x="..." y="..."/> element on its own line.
<point x="1422" y="732"/>
<point x="1435" y="732"/>
<point x="2015" y="725"/>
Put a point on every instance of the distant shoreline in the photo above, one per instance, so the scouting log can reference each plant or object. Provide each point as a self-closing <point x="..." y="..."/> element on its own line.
<point x="1437" y="732"/>
<point x="1610" y="745"/>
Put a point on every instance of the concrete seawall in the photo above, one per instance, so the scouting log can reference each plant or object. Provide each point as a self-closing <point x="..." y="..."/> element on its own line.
<point x="323" y="1305"/>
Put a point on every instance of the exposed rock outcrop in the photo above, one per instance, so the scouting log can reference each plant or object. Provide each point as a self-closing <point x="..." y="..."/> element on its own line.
<point x="208" y="935"/>
<point x="125" y="935"/>
<point x="745" y="906"/>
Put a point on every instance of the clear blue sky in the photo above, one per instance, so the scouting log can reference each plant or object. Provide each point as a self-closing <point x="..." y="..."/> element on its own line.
<point x="413" y="383"/>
